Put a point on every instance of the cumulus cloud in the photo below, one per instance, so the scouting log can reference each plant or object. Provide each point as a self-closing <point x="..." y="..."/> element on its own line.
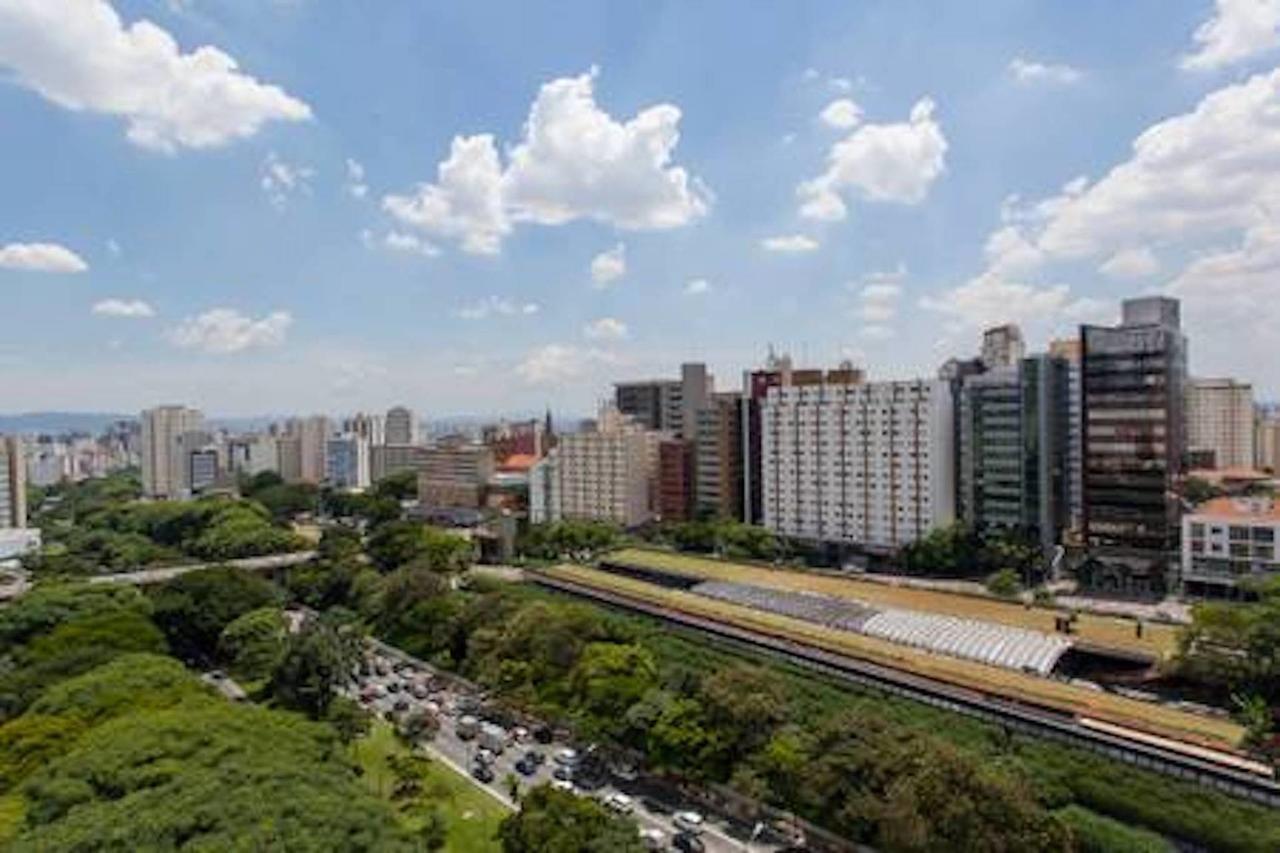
<point x="399" y="241"/>
<point x="878" y="162"/>
<point x="574" y="161"/>
<point x="609" y="266"/>
<point x="1238" y="30"/>
<point x="123" y="308"/>
<point x="224" y="330"/>
<point x="697" y="287"/>
<point x="554" y="364"/>
<point x="281" y="180"/>
<point x="1029" y="71"/>
<point x="605" y="329"/>
<point x="465" y="203"/>
<point x="496" y="306"/>
<point x="356" y="186"/>
<point x="40" y="257"/>
<point x="80" y="55"/>
<point x="789" y="243"/>
<point x="878" y="295"/>
<point x="841" y="114"/>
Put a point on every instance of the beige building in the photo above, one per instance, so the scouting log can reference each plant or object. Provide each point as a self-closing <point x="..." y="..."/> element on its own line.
<point x="1266" y="443"/>
<point x="454" y="475"/>
<point x="312" y="434"/>
<point x="13" y="483"/>
<point x="605" y="474"/>
<point x="1220" y="423"/>
<point x="868" y="465"/>
<point x="164" y="463"/>
<point x="401" y="426"/>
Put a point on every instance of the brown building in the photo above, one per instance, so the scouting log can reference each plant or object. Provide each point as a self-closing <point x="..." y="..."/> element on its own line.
<point x="718" y="459"/>
<point x="454" y="475"/>
<point x="675" y="481"/>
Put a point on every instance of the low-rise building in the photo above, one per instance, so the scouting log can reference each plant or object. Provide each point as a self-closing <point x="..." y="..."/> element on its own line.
<point x="1227" y="540"/>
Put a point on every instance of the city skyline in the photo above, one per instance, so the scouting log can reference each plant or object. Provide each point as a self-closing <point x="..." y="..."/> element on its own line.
<point x="350" y="227"/>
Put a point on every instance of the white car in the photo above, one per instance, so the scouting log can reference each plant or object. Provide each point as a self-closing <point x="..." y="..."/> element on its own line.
<point x="690" y="822"/>
<point x="567" y="757"/>
<point x="653" y="839"/>
<point x="619" y="804"/>
<point x="564" y="785"/>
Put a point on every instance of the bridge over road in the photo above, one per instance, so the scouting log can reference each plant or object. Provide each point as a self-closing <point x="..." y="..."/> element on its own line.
<point x="269" y="564"/>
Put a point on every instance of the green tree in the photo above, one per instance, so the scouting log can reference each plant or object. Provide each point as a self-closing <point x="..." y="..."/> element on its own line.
<point x="348" y="718"/>
<point x="607" y="680"/>
<point x="551" y="821"/>
<point x="435" y="832"/>
<point x="1004" y="583"/>
<point x="317" y="661"/>
<point x="253" y="642"/>
<point x="193" y="609"/>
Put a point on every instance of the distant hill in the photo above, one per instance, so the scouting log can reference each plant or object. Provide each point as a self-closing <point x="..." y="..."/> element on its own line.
<point x="57" y="423"/>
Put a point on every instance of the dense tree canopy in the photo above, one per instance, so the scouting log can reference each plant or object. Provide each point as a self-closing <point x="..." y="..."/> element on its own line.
<point x="194" y="608"/>
<point x="398" y="543"/>
<point x="551" y="821"/>
<point x="252" y="644"/>
<point x="316" y="662"/>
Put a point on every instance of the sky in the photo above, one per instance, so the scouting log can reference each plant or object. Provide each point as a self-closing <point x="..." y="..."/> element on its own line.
<point x="273" y="206"/>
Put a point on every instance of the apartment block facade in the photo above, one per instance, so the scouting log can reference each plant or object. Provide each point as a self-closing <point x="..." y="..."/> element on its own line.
<point x="13" y="482"/>
<point x="869" y="466"/>
<point x="1228" y="540"/>
<point x="605" y="474"/>
<point x="164" y="462"/>
<point x="1219" y="423"/>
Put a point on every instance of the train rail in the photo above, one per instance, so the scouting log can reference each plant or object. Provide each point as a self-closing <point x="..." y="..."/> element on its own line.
<point x="1221" y="771"/>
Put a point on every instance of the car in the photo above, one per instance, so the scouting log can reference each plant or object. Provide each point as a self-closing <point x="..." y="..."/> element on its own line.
<point x="393" y="686"/>
<point x="482" y="773"/>
<point x="534" y="757"/>
<point x="381" y="669"/>
<point x="690" y="822"/>
<point x="525" y="768"/>
<point x="484" y="756"/>
<point x="419" y="692"/>
<point x="563" y="773"/>
<point x="564" y="785"/>
<point x="401" y="705"/>
<point x="619" y="804"/>
<point x="520" y="733"/>
<point x="655" y="806"/>
<point x="653" y="839"/>
<point x="567" y="757"/>
<point x="687" y="842"/>
<point x="432" y="707"/>
<point x="543" y="734"/>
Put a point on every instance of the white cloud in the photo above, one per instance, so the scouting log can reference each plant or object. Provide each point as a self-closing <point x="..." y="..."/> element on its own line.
<point x="697" y="287"/>
<point x="878" y="296"/>
<point x="609" y="266"/>
<point x="497" y="306"/>
<point x="465" y="203"/>
<point x="123" y="308"/>
<point x="1029" y="71"/>
<point x="224" y="330"/>
<point x="1238" y="30"/>
<point x="789" y="243"/>
<point x="1130" y="263"/>
<point x="398" y="241"/>
<point x="40" y="257"/>
<point x="356" y="186"/>
<point x="281" y="180"/>
<point x="988" y="300"/>
<point x="554" y="364"/>
<point x="841" y="113"/>
<point x="574" y="161"/>
<point x="80" y="55"/>
<point x="879" y="162"/>
<point x="605" y="329"/>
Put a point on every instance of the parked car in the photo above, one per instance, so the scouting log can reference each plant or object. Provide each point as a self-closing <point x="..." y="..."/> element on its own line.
<point x="493" y="738"/>
<point x="564" y="785"/>
<point x="543" y="734"/>
<point x="563" y="773"/>
<point x="567" y="757"/>
<point x="401" y="705"/>
<point x="419" y="692"/>
<point x="484" y="756"/>
<point x="468" y="727"/>
<point x="393" y="686"/>
<point x="482" y="773"/>
<point x="653" y="839"/>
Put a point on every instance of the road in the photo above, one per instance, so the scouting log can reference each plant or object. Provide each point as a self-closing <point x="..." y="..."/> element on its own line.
<point x="460" y="754"/>
<point x="167" y="573"/>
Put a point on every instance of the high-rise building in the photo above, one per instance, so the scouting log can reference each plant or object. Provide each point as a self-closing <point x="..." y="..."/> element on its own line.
<point x="401" y="426"/>
<point x="312" y="434"/>
<point x="1013" y="449"/>
<point x="252" y="454"/>
<point x="372" y="428"/>
<point x="289" y="458"/>
<point x="454" y="474"/>
<point x="164" y="466"/>
<point x="388" y="459"/>
<point x="718" y="458"/>
<point x="605" y="474"/>
<point x="674" y="487"/>
<point x="202" y="468"/>
<point x="1133" y="393"/>
<point x="666" y="405"/>
<point x="347" y="462"/>
<point x="1266" y="441"/>
<point x="1219" y="423"/>
<point x="1002" y="346"/>
<point x="1069" y="350"/>
<point x="521" y="438"/>
<point x="13" y="482"/>
<point x="864" y="466"/>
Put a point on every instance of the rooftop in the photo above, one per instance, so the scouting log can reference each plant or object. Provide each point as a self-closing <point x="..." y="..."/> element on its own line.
<point x="1255" y="508"/>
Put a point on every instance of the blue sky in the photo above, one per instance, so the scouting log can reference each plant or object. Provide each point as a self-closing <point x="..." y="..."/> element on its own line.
<point x="266" y="228"/>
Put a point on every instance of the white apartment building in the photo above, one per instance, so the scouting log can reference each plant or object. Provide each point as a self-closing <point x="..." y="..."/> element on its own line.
<point x="868" y="465"/>
<point x="1228" y="539"/>
<point x="164" y="466"/>
<point x="603" y="475"/>
<point x="1220" y="421"/>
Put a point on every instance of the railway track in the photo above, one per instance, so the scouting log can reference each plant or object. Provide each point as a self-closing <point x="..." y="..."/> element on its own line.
<point x="1220" y="771"/>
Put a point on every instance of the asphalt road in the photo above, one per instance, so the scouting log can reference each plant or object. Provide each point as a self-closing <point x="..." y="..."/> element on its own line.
<point x="461" y="754"/>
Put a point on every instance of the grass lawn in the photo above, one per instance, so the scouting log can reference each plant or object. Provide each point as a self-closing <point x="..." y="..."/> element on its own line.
<point x="472" y="815"/>
<point x="1111" y="632"/>
<point x="12" y="810"/>
<point x="1207" y="731"/>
